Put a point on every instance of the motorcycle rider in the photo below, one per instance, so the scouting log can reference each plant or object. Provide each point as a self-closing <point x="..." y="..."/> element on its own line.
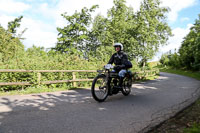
<point x="120" y="59"/>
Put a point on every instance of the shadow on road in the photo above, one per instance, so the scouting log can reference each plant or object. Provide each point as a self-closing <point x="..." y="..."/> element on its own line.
<point x="26" y="105"/>
<point x="53" y="111"/>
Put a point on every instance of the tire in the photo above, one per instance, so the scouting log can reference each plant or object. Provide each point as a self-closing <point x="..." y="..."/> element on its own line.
<point x="127" y="84"/>
<point x="99" y="88"/>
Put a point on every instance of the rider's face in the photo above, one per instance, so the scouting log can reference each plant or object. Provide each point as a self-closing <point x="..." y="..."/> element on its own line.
<point x="117" y="49"/>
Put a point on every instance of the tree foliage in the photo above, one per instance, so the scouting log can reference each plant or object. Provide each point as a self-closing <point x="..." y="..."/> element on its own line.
<point x="188" y="56"/>
<point x="141" y="33"/>
<point x="121" y="26"/>
<point x="152" y="30"/>
<point x="86" y="43"/>
<point x="117" y="27"/>
<point x="13" y="25"/>
<point x="75" y="34"/>
<point x="9" y="46"/>
<point x="189" y="51"/>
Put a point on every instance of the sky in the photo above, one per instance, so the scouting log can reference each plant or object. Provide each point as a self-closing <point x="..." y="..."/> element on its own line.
<point x="42" y="17"/>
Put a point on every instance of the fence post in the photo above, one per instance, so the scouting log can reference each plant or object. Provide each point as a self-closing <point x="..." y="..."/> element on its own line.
<point x="74" y="77"/>
<point x="38" y="78"/>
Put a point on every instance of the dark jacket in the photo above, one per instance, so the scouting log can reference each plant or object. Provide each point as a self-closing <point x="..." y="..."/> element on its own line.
<point x="119" y="58"/>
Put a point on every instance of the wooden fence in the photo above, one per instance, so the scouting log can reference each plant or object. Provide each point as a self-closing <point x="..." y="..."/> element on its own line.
<point x="137" y="76"/>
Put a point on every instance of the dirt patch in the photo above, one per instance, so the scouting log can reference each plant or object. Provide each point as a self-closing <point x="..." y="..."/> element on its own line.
<point x="186" y="119"/>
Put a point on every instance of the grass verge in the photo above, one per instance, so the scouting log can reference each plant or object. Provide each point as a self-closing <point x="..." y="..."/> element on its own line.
<point x="187" y="121"/>
<point x="187" y="73"/>
<point x="33" y="90"/>
<point x="54" y="88"/>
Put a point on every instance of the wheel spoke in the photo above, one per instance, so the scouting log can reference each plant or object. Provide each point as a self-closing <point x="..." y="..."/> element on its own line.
<point x="127" y="86"/>
<point x="100" y="89"/>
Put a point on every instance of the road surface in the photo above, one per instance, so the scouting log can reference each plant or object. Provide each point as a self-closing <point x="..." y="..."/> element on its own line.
<point x="75" y="111"/>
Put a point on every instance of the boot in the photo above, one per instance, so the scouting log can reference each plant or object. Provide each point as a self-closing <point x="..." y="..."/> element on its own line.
<point x="120" y="82"/>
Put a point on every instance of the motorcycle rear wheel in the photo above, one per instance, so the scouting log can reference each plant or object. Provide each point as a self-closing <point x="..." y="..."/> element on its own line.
<point x="99" y="88"/>
<point x="127" y="84"/>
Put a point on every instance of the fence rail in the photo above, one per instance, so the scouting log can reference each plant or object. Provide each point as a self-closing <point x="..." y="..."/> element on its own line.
<point x="40" y="71"/>
<point x="137" y="75"/>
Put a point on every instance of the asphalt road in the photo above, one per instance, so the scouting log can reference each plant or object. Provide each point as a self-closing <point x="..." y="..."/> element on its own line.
<point x="76" y="111"/>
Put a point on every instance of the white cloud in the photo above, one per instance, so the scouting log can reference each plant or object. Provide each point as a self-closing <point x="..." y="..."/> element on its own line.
<point x="175" y="41"/>
<point x="4" y="19"/>
<point x="135" y="4"/>
<point x="39" y="38"/>
<point x="185" y="19"/>
<point x="42" y="33"/>
<point x="71" y="6"/>
<point x="10" y="6"/>
<point x="47" y="11"/>
<point x="38" y="33"/>
<point x="176" y="6"/>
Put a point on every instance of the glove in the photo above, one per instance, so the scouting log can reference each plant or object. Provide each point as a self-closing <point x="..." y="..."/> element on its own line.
<point x="108" y="66"/>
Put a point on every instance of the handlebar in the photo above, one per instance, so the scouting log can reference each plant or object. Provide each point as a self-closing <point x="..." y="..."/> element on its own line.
<point x="108" y="66"/>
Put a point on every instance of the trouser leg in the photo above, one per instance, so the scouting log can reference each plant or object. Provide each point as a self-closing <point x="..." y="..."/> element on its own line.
<point x="120" y="81"/>
<point x="121" y="77"/>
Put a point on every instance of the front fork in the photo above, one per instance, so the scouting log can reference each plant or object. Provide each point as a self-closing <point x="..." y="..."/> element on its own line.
<point x="108" y="81"/>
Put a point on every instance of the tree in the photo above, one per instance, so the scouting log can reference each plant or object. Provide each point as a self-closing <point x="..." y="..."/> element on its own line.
<point x="141" y="33"/>
<point x="98" y="33"/>
<point x="75" y="34"/>
<point x="13" y="25"/>
<point x="164" y="59"/>
<point x="152" y="30"/>
<point x="9" y="45"/>
<point x="117" y="27"/>
<point x="122" y="26"/>
<point x="190" y="47"/>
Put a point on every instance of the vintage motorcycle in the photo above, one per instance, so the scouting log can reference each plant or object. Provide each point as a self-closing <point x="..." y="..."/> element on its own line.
<point x="106" y="83"/>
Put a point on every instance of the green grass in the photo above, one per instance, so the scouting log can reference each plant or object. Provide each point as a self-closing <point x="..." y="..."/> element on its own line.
<point x="194" y="129"/>
<point x="43" y="89"/>
<point x="32" y="90"/>
<point x="53" y="88"/>
<point x="187" y="73"/>
<point x="189" y="120"/>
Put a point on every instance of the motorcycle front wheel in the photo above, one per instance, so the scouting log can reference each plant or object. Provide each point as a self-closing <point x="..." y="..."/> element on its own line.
<point x="99" y="88"/>
<point x="127" y="84"/>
